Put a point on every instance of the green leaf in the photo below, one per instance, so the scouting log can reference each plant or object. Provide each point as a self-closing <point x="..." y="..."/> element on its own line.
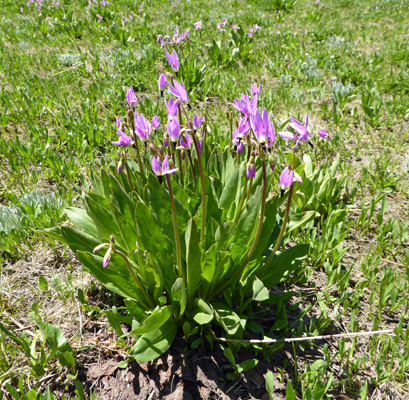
<point x="115" y="276"/>
<point x="230" y="190"/>
<point x="290" y="392"/>
<point x="154" y="321"/>
<point x="202" y="312"/>
<point x="270" y="384"/>
<point x="42" y="283"/>
<point x="126" y="227"/>
<point x="81" y="219"/>
<point x="153" y="240"/>
<point x="78" y="240"/>
<point x="135" y="310"/>
<point x="153" y="344"/>
<point x="246" y="365"/>
<point x="298" y="220"/>
<point x="209" y="269"/>
<point x="282" y="263"/>
<point x="193" y="260"/>
<point x="229" y="320"/>
<point x="54" y="337"/>
<point x="179" y="294"/>
<point x="260" y="292"/>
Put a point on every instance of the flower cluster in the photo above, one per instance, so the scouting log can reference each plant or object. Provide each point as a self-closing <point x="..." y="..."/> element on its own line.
<point x="177" y="38"/>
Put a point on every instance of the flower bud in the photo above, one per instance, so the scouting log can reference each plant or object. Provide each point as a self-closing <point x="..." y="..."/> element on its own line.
<point x="271" y="162"/>
<point x="100" y="247"/>
<point x="120" y="167"/>
<point x="166" y="140"/>
<point x="190" y="124"/>
<point x="162" y="83"/>
<point x="161" y="151"/>
<point x="251" y="169"/>
<point x="107" y="257"/>
<point x="171" y="164"/>
<point x="153" y="149"/>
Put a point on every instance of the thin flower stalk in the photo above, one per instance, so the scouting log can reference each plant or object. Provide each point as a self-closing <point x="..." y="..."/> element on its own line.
<point x="280" y="236"/>
<point x="175" y="228"/>
<point x="135" y="278"/>
<point x="202" y="182"/>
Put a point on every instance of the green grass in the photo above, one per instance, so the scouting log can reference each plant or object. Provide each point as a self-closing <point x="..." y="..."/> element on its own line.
<point x="63" y="81"/>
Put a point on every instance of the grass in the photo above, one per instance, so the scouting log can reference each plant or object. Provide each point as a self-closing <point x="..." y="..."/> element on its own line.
<point x="63" y="78"/>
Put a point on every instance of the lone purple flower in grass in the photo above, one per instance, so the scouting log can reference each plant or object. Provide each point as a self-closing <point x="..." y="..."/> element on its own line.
<point x="173" y="60"/>
<point x="162" y="83"/>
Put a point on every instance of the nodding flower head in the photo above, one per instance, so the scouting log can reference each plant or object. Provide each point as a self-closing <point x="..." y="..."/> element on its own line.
<point x="124" y="140"/>
<point x="162" y="82"/>
<point x="323" y="134"/>
<point x="131" y="97"/>
<point x="197" y="122"/>
<point x="173" y="129"/>
<point x="301" y="132"/>
<point x="287" y="177"/>
<point x="179" y="90"/>
<point x="242" y="130"/>
<point x="186" y="141"/>
<point x="264" y="132"/>
<point x="198" y="25"/>
<point x="246" y="105"/>
<point x="255" y="90"/>
<point x="251" y="169"/>
<point x="155" y="122"/>
<point x="143" y="127"/>
<point x="172" y="107"/>
<point x="173" y="60"/>
<point x="162" y="168"/>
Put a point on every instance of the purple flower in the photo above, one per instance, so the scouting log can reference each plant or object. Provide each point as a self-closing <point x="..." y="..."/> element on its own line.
<point x="197" y="121"/>
<point x="251" y="170"/>
<point x="179" y="90"/>
<point x="234" y="26"/>
<point x="155" y="122"/>
<point x="172" y="107"/>
<point x="287" y="178"/>
<point x="163" y="169"/>
<point x="131" y="98"/>
<point x="186" y="141"/>
<point x="173" y="129"/>
<point x="245" y="105"/>
<point x="255" y="90"/>
<point x="323" y="134"/>
<point x="262" y="129"/>
<point x="198" y="25"/>
<point x="124" y="140"/>
<point x="143" y="127"/>
<point x="301" y="135"/>
<point x="242" y="130"/>
<point x="162" y="82"/>
<point x="240" y="147"/>
<point x="173" y="60"/>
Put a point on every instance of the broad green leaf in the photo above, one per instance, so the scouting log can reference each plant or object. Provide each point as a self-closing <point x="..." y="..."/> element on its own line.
<point x="154" y="321"/>
<point x="246" y="365"/>
<point x="298" y="220"/>
<point x="270" y="384"/>
<point x="126" y="227"/>
<point x="54" y="337"/>
<point x="121" y="198"/>
<point x="179" y="294"/>
<point x="81" y="219"/>
<point x="115" y="276"/>
<point x="229" y="320"/>
<point x="260" y="292"/>
<point x="209" y="269"/>
<point x="78" y="240"/>
<point x="282" y="263"/>
<point x="54" y="233"/>
<point x="193" y="260"/>
<point x="135" y="310"/>
<point x="153" y="240"/>
<point x="202" y="312"/>
<point x="290" y="392"/>
<point x="230" y="190"/>
<point x="153" y="344"/>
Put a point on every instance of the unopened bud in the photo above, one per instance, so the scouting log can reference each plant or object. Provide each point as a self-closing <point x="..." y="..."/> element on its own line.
<point x="107" y="257"/>
<point x="171" y="164"/>
<point x="153" y="149"/>
<point x="100" y="247"/>
<point x="271" y="162"/>
<point x="190" y="124"/>
<point x="120" y="167"/>
<point x="161" y="151"/>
